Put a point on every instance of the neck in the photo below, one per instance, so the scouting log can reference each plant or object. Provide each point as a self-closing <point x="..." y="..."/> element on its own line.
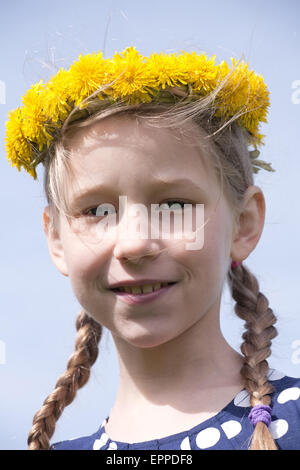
<point x="194" y="363"/>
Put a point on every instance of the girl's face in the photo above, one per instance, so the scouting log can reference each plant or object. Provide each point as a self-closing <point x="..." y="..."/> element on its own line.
<point x="122" y="157"/>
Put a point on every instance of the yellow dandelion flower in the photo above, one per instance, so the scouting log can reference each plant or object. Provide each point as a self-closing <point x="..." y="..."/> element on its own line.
<point x="166" y="70"/>
<point x="256" y="138"/>
<point x="244" y="93"/>
<point x="35" y="121"/>
<point x="201" y="72"/>
<point x="259" y="103"/>
<point x="18" y="149"/>
<point x="235" y="94"/>
<point x="133" y="79"/>
<point x="86" y="75"/>
<point x="55" y="97"/>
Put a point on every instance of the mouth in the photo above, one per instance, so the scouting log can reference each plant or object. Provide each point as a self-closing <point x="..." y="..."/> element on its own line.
<point x="141" y="291"/>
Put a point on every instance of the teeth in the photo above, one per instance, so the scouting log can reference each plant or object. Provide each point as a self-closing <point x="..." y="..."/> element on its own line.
<point x="143" y="289"/>
<point x="136" y="290"/>
<point x="158" y="285"/>
<point x="147" y="288"/>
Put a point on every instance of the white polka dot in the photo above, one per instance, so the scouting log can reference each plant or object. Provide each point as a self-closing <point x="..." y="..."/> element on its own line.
<point x="207" y="438"/>
<point x="100" y="442"/>
<point x="231" y="428"/>
<point x="185" y="445"/>
<point x="278" y="428"/>
<point x="275" y="374"/>
<point x="242" y="399"/>
<point x="112" y="446"/>
<point x="292" y="393"/>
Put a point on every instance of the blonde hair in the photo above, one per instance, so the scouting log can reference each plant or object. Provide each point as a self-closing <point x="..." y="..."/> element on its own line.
<point x="227" y="149"/>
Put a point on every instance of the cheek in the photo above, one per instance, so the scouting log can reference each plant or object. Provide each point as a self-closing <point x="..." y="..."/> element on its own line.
<point x="84" y="258"/>
<point x="208" y="265"/>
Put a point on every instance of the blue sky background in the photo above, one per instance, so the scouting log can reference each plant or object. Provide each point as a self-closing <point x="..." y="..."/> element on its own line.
<point x="37" y="319"/>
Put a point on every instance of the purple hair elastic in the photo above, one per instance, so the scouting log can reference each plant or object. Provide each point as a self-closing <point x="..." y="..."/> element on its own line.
<point x="260" y="413"/>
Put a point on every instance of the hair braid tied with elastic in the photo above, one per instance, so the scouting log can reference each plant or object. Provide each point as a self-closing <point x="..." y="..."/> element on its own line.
<point x="77" y="374"/>
<point x="253" y="307"/>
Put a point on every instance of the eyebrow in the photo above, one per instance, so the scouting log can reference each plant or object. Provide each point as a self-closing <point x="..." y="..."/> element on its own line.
<point x="156" y="184"/>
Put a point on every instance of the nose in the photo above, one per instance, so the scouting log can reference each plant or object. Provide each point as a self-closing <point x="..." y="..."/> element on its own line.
<point x="135" y="251"/>
<point x="133" y="244"/>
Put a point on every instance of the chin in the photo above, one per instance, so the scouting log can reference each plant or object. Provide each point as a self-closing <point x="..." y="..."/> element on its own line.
<point x="146" y="338"/>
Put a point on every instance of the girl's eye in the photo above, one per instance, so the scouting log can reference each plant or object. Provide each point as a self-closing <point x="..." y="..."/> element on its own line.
<point x="104" y="209"/>
<point x="175" y="205"/>
<point x="100" y="211"/>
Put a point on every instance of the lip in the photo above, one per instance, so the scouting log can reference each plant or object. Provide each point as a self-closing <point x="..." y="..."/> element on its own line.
<point x="133" y="299"/>
<point x="139" y="282"/>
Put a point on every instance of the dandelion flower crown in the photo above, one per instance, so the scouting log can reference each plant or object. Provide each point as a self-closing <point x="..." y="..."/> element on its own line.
<point x="134" y="79"/>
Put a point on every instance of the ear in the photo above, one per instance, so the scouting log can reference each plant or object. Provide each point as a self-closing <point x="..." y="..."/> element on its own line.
<point x="55" y="245"/>
<point x="249" y="224"/>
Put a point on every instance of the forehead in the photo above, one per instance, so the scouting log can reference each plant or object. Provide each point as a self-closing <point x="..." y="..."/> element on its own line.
<point x="123" y="146"/>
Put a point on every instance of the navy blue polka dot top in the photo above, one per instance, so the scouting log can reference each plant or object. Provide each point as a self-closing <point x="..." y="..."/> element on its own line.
<point x="229" y="429"/>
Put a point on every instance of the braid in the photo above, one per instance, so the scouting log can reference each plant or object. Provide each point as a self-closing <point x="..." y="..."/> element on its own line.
<point x="77" y="374"/>
<point x="253" y="307"/>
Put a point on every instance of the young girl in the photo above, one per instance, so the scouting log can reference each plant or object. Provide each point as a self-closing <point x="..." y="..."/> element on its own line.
<point x="173" y="132"/>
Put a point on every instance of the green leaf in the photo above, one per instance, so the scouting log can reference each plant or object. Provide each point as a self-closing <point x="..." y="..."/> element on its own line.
<point x="262" y="164"/>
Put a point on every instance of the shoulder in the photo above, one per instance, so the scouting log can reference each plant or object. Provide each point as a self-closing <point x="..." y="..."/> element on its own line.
<point x="78" y="443"/>
<point x="285" y="425"/>
<point x="286" y="388"/>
